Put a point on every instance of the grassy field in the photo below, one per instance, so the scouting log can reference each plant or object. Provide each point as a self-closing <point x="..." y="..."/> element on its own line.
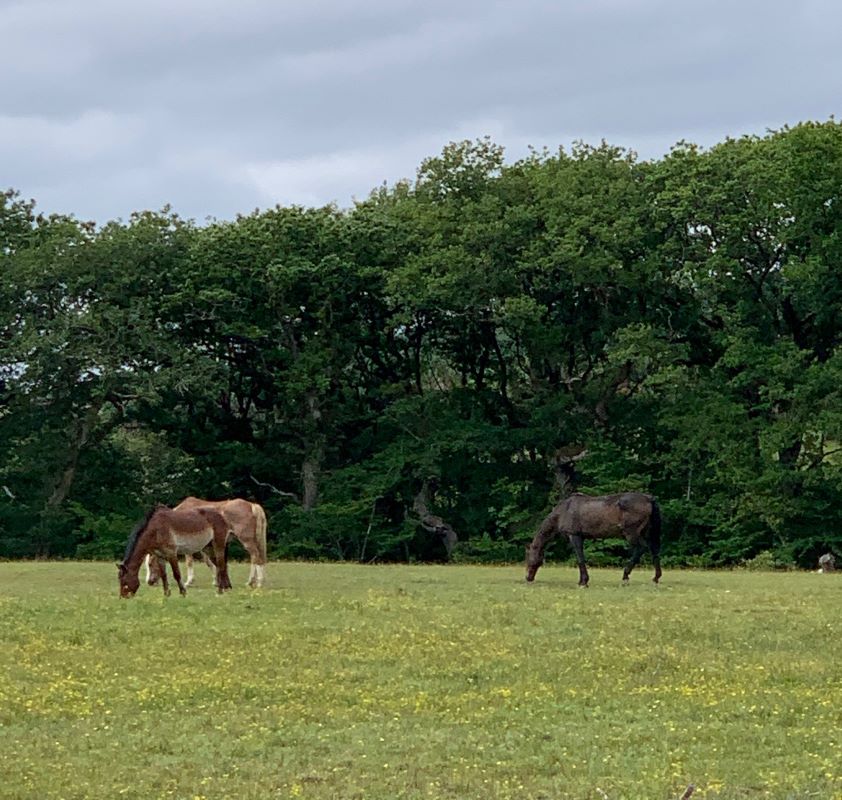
<point x="344" y="681"/>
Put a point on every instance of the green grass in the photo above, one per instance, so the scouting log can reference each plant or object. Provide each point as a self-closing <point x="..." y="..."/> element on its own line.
<point x="343" y="681"/>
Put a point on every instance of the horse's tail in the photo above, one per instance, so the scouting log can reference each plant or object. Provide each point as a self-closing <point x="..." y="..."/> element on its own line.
<point x="260" y="530"/>
<point x="655" y="529"/>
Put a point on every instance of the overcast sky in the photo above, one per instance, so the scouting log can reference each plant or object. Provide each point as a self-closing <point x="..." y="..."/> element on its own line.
<point x="218" y="107"/>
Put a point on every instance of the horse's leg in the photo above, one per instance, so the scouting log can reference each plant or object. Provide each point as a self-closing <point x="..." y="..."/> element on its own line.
<point x="656" y="561"/>
<point x="153" y="569"/>
<point x="226" y="578"/>
<point x="211" y="566"/>
<point x="246" y="533"/>
<point x="163" y="573"/>
<point x="176" y="573"/>
<point x="579" y="547"/>
<point x="635" y="552"/>
<point x="159" y="568"/>
<point x="653" y="539"/>
<point x="191" y="575"/>
<point x="220" y="555"/>
<point x="255" y="578"/>
<point x="256" y="569"/>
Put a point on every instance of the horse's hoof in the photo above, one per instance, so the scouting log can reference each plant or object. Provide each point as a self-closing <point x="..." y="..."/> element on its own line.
<point x="167" y="593"/>
<point x="624" y="582"/>
<point x="583" y="586"/>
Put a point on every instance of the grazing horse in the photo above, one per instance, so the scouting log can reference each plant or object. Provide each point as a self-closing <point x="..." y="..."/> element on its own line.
<point x="163" y="534"/>
<point x="631" y="515"/>
<point x="247" y="521"/>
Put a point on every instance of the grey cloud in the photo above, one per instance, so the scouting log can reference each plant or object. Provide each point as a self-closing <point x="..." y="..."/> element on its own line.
<point x="217" y="107"/>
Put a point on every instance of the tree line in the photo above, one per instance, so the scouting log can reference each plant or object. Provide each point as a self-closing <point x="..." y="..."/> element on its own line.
<point x="460" y="349"/>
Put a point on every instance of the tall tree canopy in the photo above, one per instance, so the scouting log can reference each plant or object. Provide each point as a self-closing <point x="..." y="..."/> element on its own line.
<point x="447" y="349"/>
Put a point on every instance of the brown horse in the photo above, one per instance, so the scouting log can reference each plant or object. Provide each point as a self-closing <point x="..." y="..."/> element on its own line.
<point x="247" y="521"/>
<point x="163" y="534"/>
<point x="631" y="515"/>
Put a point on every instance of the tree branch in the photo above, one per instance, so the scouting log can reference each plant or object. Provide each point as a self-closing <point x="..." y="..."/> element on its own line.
<point x="275" y="489"/>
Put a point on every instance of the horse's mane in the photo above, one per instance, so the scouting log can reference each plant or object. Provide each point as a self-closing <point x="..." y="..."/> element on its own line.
<point x="138" y="530"/>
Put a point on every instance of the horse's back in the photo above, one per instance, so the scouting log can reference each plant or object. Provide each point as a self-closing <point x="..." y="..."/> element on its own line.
<point x="604" y="515"/>
<point x="234" y="510"/>
<point x="187" y="519"/>
<point x="636" y="502"/>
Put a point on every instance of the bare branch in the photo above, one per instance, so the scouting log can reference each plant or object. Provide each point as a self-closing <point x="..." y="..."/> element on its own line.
<point x="368" y="530"/>
<point x="275" y="489"/>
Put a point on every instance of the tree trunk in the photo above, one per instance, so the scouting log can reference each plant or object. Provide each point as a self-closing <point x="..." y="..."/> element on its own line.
<point x="310" y="479"/>
<point x="564" y="466"/>
<point x="80" y="433"/>
<point x="432" y="523"/>
<point x="311" y="466"/>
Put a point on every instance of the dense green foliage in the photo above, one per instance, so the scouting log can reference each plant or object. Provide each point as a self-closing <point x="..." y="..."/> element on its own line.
<point x="466" y="334"/>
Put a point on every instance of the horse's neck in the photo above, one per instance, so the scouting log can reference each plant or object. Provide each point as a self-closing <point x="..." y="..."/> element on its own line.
<point x="547" y="532"/>
<point x="133" y="562"/>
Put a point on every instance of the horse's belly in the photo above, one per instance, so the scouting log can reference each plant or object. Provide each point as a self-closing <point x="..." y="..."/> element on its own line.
<point x="188" y="543"/>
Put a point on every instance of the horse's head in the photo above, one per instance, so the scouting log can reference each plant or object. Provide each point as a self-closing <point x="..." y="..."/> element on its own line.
<point x="534" y="559"/>
<point x="153" y="570"/>
<point x="129" y="582"/>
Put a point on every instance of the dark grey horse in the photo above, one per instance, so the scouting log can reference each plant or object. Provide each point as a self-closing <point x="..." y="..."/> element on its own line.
<point x="632" y="516"/>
